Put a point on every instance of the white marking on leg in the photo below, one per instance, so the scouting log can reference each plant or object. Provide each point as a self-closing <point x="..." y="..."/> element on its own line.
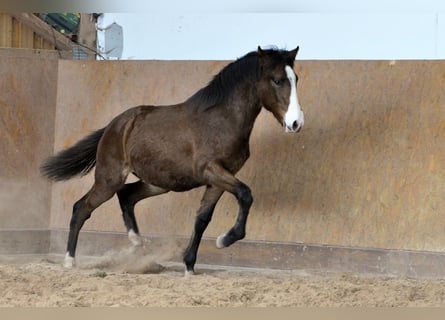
<point x="220" y="241"/>
<point x="69" y="261"/>
<point x="294" y="114"/>
<point x="134" y="238"/>
<point x="188" y="273"/>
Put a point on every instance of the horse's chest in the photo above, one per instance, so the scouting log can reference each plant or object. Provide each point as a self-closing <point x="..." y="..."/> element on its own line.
<point x="236" y="159"/>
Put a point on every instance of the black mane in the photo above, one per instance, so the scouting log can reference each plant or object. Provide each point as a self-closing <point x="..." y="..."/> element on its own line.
<point x="223" y="84"/>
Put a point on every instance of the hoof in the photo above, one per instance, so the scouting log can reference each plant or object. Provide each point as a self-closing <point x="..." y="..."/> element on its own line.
<point x="189" y="273"/>
<point x="134" y="238"/>
<point x="220" y="241"/>
<point x="69" y="262"/>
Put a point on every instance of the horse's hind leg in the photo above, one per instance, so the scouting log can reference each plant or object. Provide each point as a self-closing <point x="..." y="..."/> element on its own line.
<point x="82" y="209"/>
<point x="204" y="215"/>
<point x="129" y="195"/>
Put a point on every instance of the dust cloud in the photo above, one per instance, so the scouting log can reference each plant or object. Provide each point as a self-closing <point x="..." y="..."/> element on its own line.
<point x="147" y="258"/>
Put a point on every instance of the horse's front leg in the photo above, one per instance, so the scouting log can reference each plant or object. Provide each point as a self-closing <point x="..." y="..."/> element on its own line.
<point x="204" y="215"/>
<point x="238" y="231"/>
<point x="220" y="177"/>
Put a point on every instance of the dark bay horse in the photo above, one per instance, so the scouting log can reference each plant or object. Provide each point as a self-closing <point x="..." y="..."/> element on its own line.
<point x="203" y="141"/>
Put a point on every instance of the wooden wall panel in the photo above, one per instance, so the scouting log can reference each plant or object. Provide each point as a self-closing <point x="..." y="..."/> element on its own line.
<point x="24" y="30"/>
<point x="6" y="30"/>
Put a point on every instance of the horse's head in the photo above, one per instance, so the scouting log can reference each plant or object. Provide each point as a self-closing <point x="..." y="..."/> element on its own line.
<point x="277" y="87"/>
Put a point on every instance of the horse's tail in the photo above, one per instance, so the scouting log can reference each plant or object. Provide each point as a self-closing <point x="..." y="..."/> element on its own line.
<point x="76" y="160"/>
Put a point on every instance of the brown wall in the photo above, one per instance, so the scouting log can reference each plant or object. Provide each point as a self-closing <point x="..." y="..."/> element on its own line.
<point x="367" y="170"/>
<point x="28" y="87"/>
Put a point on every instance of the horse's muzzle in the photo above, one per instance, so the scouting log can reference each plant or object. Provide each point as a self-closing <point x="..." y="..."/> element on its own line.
<point x="293" y="121"/>
<point x="295" y="127"/>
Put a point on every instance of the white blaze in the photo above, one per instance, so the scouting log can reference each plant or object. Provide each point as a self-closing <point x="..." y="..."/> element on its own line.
<point x="294" y="112"/>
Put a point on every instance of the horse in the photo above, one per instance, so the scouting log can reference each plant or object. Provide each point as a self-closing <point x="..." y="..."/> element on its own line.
<point x="201" y="142"/>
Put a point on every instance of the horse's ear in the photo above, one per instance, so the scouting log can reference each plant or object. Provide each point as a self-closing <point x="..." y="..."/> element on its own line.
<point x="261" y="57"/>
<point x="293" y="53"/>
<point x="260" y="51"/>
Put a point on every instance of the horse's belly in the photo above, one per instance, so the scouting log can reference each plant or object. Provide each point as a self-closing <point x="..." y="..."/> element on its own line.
<point x="174" y="183"/>
<point x="167" y="175"/>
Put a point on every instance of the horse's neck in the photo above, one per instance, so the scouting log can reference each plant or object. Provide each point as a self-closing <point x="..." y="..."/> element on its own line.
<point x="238" y="111"/>
<point x="246" y="107"/>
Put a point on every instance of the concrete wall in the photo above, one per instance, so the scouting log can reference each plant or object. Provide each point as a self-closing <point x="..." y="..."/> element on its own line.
<point x="28" y="86"/>
<point x="366" y="171"/>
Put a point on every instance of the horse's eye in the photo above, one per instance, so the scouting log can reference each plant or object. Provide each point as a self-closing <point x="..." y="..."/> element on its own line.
<point x="278" y="81"/>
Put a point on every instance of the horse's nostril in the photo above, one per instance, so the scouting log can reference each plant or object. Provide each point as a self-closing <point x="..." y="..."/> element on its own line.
<point x="295" y="125"/>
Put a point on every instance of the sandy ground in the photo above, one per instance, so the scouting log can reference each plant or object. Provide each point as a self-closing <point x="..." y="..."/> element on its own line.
<point x="130" y="279"/>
